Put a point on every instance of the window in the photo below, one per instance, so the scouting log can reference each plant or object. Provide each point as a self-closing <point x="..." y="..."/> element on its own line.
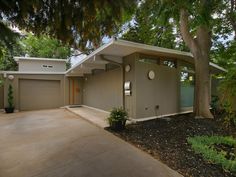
<point x="169" y="63"/>
<point x="149" y="60"/>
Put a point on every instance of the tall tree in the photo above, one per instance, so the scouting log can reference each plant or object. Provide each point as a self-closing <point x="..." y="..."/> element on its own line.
<point x="77" y="22"/>
<point x="195" y="23"/>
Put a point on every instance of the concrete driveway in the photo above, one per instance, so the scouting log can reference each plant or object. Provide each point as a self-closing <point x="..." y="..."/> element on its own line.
<point x="56" y="143"/>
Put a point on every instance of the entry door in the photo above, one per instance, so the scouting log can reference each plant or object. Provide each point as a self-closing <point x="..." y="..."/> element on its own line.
<point x="75" y="92"/>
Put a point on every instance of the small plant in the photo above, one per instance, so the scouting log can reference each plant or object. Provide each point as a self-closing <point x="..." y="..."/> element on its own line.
<point x="207" y="147"/>
<point x="10" y="96"/>
<point x="117" y="118"/>
<point x="230" y="114"/>
<point x="10" y="108"/>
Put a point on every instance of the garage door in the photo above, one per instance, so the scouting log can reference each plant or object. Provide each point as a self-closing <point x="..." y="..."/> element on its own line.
<point x="39" y="94"/>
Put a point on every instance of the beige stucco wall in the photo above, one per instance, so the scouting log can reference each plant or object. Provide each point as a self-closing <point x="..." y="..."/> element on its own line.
<point x="130" y="101"/>
<point x="103" y="90"/>
<point x="147" y="94"/>
<point x="37" y="66"/>
<point x="162" y="91"/>
<point x="18" y="77"/>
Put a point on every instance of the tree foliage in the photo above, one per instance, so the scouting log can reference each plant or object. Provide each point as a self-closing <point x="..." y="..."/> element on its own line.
<point x="225" y="18"/>
<point x="224" y="54"/>
<point x="146" y="27"/>
<point x="44" y="46"/>
<point x="76" y="22"/>
<point x="33" y="46"/>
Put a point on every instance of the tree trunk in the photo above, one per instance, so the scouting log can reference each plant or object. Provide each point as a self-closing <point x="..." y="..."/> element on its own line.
<point x="202" y="95"/>
<point x="200" y="48"/>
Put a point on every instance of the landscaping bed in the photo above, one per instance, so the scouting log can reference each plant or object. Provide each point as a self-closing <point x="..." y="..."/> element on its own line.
<point x="166" y="140"/>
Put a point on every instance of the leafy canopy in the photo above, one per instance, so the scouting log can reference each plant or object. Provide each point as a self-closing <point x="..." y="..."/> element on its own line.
<point x="76" y="22"/>
<point x="147" y="28"/>
<point x="44" y="46"/>
<point x="33" y="46"/>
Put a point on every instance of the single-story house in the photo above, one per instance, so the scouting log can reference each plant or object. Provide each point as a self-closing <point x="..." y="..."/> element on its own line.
<point x="148" y="81"/>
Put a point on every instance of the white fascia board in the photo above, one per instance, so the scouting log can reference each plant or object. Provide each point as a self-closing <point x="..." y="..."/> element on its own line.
<point x="19" y="72"/>
<point x="150" y="47"/>
<point x="74" y="75"/>
<point x="91" y="55"/>
<point x="41" y="59"/>
<point x="217" y="67"/>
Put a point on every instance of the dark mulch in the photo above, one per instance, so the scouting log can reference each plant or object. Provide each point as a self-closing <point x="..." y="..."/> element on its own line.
<point x="165" y="139"/>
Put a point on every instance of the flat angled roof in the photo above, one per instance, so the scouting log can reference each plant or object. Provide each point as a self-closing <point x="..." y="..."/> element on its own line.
<point x="40" y="59"/>
<point x="120" y="48"/>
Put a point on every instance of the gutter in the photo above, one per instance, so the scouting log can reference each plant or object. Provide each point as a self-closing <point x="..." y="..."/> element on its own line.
<point x="122" y="76"/>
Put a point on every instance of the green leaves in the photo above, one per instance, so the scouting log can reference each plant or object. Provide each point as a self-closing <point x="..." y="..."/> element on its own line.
<point x="75" y="22"/>
<point x="118" y="114"/>
<point x="44" y="46"/>
<point x="204" y="145"/>
<point x="147" y="26"/>
<point x="10" y="98"/>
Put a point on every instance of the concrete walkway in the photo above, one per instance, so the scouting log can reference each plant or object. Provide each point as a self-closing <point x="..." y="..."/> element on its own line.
<point x="56" y="143"/>
<point x="96" y="117"/>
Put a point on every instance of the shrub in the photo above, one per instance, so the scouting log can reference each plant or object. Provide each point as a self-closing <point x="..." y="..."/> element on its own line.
<point x="10" y="97"/>
<point x="205" y="146"/>
<point x="228" y="97"/>
<point x="117" y="118"/>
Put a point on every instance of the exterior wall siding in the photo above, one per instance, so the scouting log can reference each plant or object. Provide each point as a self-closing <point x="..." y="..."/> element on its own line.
<point x="130" y="101"/>
<point x="155" y="97"/>
<point x="37" y="66"/>
<point x="158" y="96"/>
<point x="103" y="90"/>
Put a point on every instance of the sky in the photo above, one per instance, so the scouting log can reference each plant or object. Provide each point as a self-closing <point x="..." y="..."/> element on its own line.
<point x="76" y="59"/>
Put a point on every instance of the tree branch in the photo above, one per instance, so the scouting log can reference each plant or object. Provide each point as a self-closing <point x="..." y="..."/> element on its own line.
<point x="184" y="29"/>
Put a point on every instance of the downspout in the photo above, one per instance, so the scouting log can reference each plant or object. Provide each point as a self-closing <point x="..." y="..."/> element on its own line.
<point x="122" y="76"/>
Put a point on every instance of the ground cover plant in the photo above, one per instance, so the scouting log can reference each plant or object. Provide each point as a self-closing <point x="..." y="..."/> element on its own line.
<point x="216" y="149"/>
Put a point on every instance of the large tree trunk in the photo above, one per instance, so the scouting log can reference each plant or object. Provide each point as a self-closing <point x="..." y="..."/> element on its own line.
<point x="200" y="48"/>
<point x="202" y="87"/>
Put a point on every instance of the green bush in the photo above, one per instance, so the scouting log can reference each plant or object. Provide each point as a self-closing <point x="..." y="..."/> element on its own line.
<point x="204" y="145"/>
<point x="10" y="97"/>
<point x="117" y="118"/>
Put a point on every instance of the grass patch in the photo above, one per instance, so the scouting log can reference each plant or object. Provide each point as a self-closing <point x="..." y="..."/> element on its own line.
<point x="216" y="149"/>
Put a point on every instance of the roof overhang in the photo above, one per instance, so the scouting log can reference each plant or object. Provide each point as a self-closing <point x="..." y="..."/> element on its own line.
<point x="116" y="49"/>
<point x="32" y="73"/>
<point x="17" y="59"/>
